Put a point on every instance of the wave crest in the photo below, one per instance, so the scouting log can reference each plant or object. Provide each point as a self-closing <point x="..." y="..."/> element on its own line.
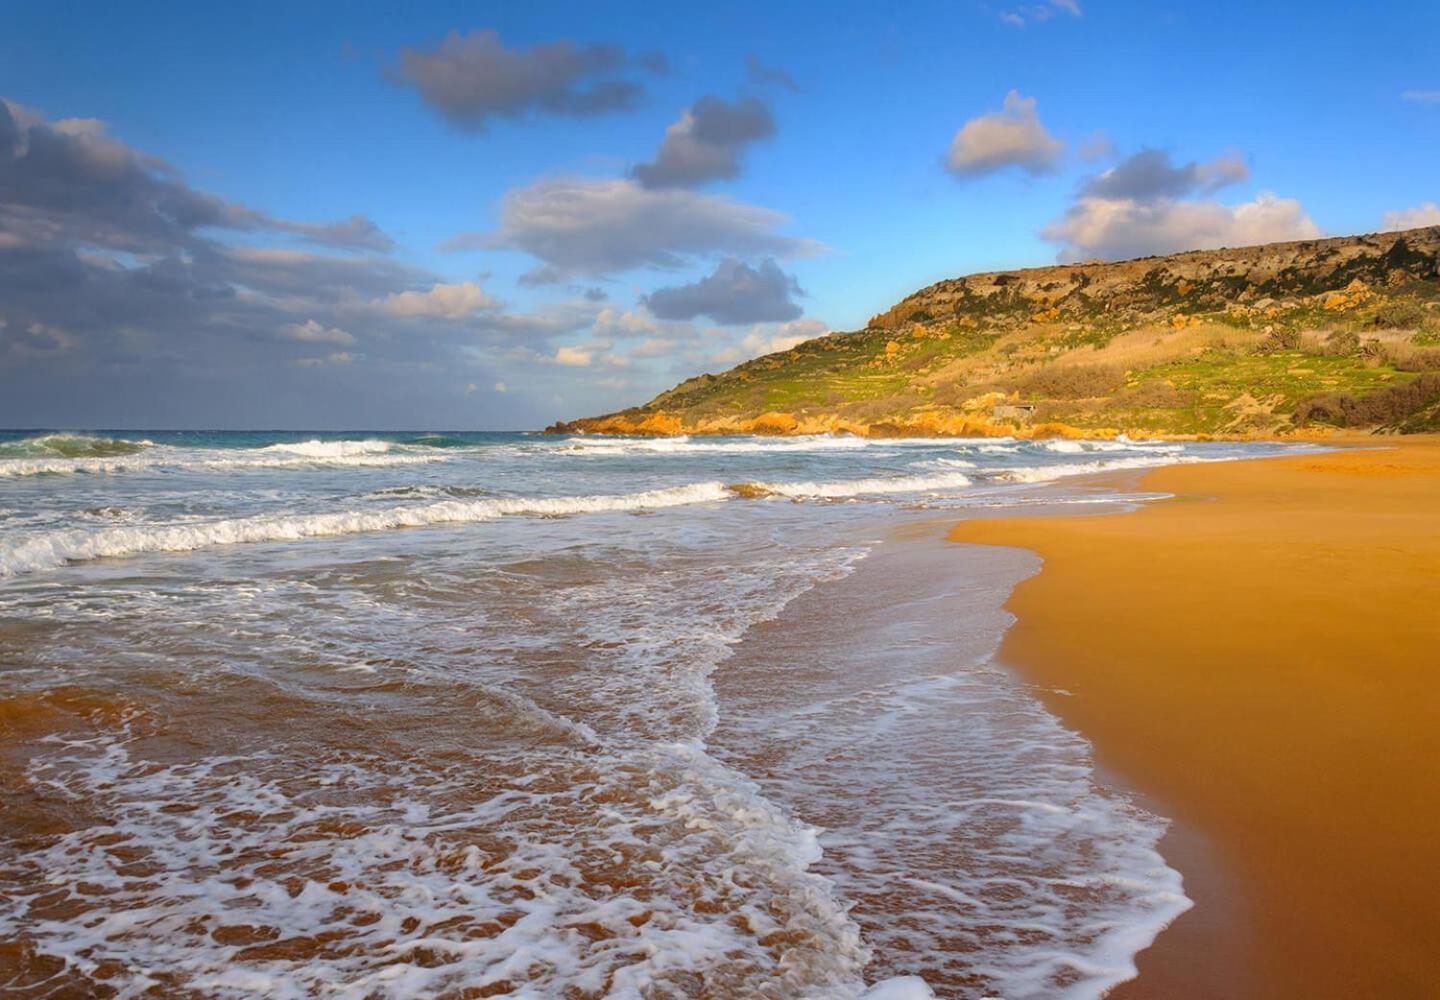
<point x="55" y="549"/>
<point x="73" y="446"/>
<point x="844" y="488"/>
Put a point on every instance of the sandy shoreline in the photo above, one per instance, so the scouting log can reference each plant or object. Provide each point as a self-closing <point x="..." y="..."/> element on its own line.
<point x="1258" y="657"/>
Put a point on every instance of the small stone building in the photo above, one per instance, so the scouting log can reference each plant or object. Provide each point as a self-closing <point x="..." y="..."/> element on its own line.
<point x="1019" y="413"/>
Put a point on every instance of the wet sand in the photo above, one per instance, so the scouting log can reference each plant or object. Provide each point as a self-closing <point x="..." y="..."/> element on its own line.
<point x="1260" y="658"/>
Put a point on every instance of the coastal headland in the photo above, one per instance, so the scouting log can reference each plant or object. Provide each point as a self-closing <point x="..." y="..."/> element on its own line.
<point x="1247" y="342"/>
<point x="1257" y="657"/>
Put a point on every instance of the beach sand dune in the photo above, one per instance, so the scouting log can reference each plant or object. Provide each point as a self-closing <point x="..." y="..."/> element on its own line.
<point x="1261" y="657"/>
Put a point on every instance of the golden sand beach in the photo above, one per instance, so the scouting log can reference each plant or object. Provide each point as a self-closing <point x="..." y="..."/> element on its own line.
<point x="1259" y="657"/>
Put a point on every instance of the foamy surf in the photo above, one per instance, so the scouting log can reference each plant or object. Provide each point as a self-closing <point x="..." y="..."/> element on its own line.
<point x="316" y="448"/>
<point x="54" y="549"/>
<point x="331" y="454"/>
<point x="685" y="445"/>
<point x="563" y="753"/>
<point x="847" y="488"/>
<point x="1049" y="473"/>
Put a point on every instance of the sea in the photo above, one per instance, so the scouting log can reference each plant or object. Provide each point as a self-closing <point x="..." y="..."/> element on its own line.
<point x="455" y="715"/>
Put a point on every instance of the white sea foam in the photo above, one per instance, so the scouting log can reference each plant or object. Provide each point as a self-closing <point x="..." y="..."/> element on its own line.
<point x="53" y="549"/>
<point x="316" y="448"/>
<point x="208" y="460"/>
<point x="397" y="857"/>
<point x="945" y="463"/>
<point x="685" y="445"/>
<point x="1065" y="446"/>
<point x="1045" y="473"/>
<point x="960" y="819"/>
<point x="844" y="488"/>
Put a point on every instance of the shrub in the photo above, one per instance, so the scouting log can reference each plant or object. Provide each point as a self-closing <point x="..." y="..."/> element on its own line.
<point x="1405" y="358"/>
<point x="1388" y="406"/>
<point x="1072" y="381"/>
<point x="1279" y="340"/>
<point x="1400" y="315"/>
<point x="1342" y="343"/>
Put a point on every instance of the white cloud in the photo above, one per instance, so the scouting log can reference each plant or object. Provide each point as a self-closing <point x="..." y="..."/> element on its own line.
<point x="575" y="357"/>
<point x="600" y="227"/>
<point x="315" y="333"/>
<point x="1013" y="137"/>
<point x="770" y="338"/>
<point x="1039" y="12"/>
<point x="613" y="322"/>
<point x="1427" y="214"/>
<point x="442" y="301"/>
<point x="707" y="142"/>
<point x="1421" y="96"/>
<point x="1116" y="229"/>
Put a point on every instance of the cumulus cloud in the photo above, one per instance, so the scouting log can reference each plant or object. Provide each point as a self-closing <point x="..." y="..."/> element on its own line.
<point x="575" y="357"/>
<point x="1012" y="137"/>
<point x="453" y="302"/>
<point x="585" y="227"/>
<point x="1117" y="229"/>
<point x="1426" y="214"/>
<point x="117" y="277"/>
<point x="1149" y="175"/>
<point x="1147" y="205"/>
<point x="765" y="339"/>
<point x="706" y="143"/>
<point x="1038" y="13"/>
<point x="735" y="293"/>
<point x="471" y="78"/>
<point x="623" y="324"/>
<point x="317" y="333"/>
<point x="70" y="180"/>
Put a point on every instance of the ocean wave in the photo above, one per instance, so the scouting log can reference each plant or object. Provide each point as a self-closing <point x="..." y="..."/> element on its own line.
<point x="316" y="448"/>
<point x="1045" y="473"/>
<point x="843" y="488"/>
<point x="54" y="549"/>
<point x="685" y="445"/>
<point x="72" y="446"/>
<point x="1066" y="446"/>
<point x="944" y="463"/>
<point x="174" y="459"/>
<point x="438" y="441"/>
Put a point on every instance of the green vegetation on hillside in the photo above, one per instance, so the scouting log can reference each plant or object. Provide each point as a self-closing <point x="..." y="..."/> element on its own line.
<point x="1255" y="341"/>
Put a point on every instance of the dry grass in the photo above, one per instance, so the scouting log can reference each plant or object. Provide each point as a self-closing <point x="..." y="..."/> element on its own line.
<point x="1150" y="346"/>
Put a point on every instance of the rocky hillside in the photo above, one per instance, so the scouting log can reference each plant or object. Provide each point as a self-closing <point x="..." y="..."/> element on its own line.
<point x="1266" y="340"/>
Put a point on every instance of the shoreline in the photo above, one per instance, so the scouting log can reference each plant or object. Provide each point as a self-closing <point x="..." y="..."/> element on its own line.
<point x="1253" y="657"/>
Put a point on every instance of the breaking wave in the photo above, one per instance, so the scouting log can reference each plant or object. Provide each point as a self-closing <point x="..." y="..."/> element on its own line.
<point x="1045" y="473"/>
<point x="1066" y="446"/>
<point x="843" y="488"/>
<point x="685" y="445"/>
<point x="210" y="460"/>
<point x="316" y="448"/>
<point x="72" y="446"/>
<point x="54" y="549"/>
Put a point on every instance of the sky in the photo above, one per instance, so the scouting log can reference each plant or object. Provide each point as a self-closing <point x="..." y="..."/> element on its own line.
<point x="494" y="216"/>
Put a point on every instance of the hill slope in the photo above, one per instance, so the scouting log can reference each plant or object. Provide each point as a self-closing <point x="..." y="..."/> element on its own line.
<point x="1237" y="342"/>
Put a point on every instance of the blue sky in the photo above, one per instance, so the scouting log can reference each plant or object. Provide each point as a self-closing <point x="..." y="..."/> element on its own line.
<point x="836" y="157"/>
